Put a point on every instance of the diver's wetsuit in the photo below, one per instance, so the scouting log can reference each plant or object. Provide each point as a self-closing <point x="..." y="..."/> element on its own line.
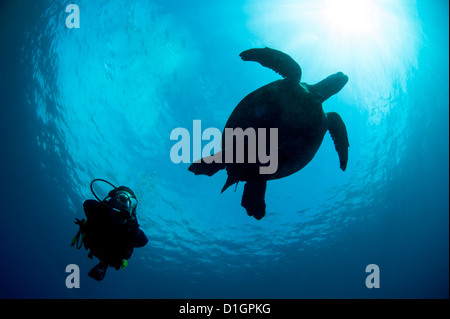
<point x="109" y="235"/>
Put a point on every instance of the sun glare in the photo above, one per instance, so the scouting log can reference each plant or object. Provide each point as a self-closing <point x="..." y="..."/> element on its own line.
<point x="375" y="42"/>
<point x="352" y="17"/>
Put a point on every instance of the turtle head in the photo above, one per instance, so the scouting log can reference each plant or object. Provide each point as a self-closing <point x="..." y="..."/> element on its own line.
<point x="329" y="86"/>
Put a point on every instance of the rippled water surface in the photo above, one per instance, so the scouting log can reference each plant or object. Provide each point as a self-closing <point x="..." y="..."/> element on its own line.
<point x="101" y="101"/>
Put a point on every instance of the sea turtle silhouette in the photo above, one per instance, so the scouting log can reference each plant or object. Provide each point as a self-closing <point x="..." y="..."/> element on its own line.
<point x="295" y="108"/>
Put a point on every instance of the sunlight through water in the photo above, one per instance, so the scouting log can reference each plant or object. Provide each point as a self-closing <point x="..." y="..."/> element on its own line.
<point x="375" y="42"/>
<point x="107" y="96"/>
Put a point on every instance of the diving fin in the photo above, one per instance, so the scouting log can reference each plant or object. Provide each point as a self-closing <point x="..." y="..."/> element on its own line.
<point x="99" y="271"/>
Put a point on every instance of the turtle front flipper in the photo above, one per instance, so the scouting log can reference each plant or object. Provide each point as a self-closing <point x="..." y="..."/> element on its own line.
<point x="253" y="198"/>
<point x="276" y="60"/>
<point x="338" y="132"/>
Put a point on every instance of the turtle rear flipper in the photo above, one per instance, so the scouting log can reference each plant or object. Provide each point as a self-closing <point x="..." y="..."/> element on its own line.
<point x="253" y="198"/>
<point x="207" y="166"/>
<point x="276" y="60"/>
<point x="338" y="132"/>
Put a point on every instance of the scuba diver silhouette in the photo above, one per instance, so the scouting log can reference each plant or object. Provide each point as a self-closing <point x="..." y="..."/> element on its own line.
<point x="111" y="231"/>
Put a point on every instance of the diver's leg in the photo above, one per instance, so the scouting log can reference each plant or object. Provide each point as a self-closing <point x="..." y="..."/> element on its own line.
<point x="253" y="198"/>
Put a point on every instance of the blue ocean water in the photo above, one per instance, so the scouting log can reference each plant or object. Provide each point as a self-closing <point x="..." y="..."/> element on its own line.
<point x="100" y="101"/>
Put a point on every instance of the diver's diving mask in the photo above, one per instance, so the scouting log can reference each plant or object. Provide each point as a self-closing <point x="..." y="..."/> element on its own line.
<point x="122" y="199"/>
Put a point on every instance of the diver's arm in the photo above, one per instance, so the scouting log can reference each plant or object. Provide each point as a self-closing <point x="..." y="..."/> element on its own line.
<point x="91" y="208"/>
<point x="140" y="240"/>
